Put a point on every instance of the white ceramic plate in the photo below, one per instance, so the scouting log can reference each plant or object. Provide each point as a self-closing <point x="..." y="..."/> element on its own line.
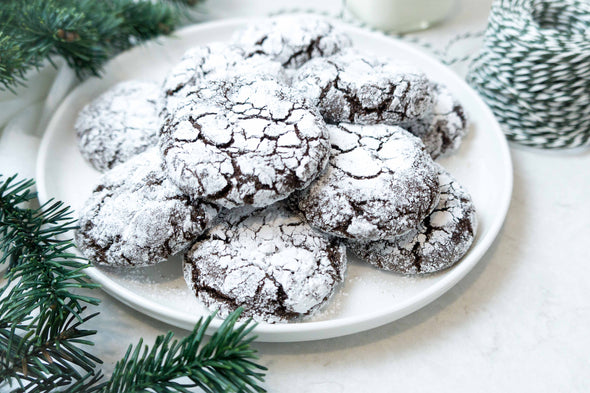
<point x="369" y="297"/>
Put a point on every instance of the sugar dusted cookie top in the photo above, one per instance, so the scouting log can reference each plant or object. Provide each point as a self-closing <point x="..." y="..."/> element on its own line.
<point x="268" y="261"/>
<point x="436" y="243"/>
<point x="214" y="61"/>
<point x="200" y="61"/>
<point x="362" y="89"/>
<point x="380" y="182"/>
<point x="137" y="217"/>
<point x="444" y="129"/>
<point x="292" y="40"/>
<point x="119" y="124"/>
<point x="243" y="141"/>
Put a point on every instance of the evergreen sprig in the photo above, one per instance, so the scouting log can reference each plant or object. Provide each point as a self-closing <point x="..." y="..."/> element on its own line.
<point x="223" y="364"/>
<point x="43" y="341"/>
<point x="86" y="33"/>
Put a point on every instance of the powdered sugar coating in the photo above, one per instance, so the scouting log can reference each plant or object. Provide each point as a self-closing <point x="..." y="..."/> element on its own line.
<point x="270" y="262"/>
<point x="436" y="244"/>
<point x="136" y="216"/>
<point x="216" y="60"/>
<point x="199" y="62"/>
<point x="119" y="124"/>
<point x="243" y="141"/>
<point x="380" y="182"/>
<point x="444" y="129"/>
<point x="292" y="40"/>
<point x="361" y="89"/>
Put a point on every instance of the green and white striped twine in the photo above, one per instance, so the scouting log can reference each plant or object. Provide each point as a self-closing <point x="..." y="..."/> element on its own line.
<point x="534" y="71"/>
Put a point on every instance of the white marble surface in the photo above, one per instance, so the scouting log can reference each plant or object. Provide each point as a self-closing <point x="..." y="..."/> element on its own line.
<point x="518" y="322"/>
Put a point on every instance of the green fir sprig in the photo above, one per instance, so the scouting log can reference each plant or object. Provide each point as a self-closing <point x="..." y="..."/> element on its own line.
<point x="86" y="33"/>
<point x="224" y="364"/>
<point x="44" y="344"/>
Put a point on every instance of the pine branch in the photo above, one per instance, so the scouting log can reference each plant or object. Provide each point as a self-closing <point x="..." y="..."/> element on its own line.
<point x="86" y="33"/>
<point x="224" y="364"/>
<point x="42" y="338"/>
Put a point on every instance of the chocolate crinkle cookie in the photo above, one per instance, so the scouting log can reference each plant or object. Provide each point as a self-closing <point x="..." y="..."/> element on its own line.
<point x="214" y="61"/>
<point x="444" y="129"/>
<point x="119" y="124"/>
<point x="137" y="217"/>
<point x="269" y="261"/>
<point x="243" y="141"/>
<point x="436" y="244"/>
<point x="200" y="61"/>
<point x="292" y="40"/>
<point x="380" y="182"/>
<point x="361" y="89"/>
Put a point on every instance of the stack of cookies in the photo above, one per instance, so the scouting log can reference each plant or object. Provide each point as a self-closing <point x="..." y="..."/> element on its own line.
<point x="265" y="159"/>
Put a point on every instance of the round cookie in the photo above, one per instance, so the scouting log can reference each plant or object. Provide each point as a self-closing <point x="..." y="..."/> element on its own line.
<point x="360" y="89"/>
<point x="380" y="182"/>
<point x="270" y="262"/>
<point x="219" y="61"/>
<point x="436" y="244"/>
<point x="243" y="141"/>
<point x="200" y="61"/>
<point x="136" y="217"/>
<point x="119" y="124"/>
<point x="442" y="131"/>
<point x="292" y="40"/>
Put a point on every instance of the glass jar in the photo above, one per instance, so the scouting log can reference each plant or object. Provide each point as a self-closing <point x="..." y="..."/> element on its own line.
<point x="400" y="16"/>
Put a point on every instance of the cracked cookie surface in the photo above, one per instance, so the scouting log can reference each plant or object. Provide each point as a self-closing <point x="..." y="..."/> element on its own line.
<point x="360" y="89"/>
<point x="442" y="131"/>
<point x="380" y="182"/>
<point x="136" y="217"/>
<point x="243" y="141"/>
<point x="292" y="40"/>
<point x="200" y="61"/>
<point x="270" y="262"/>
<point x="436" y="244"/>
<point x="216" y="60"/>
<point x="119" y="124"/>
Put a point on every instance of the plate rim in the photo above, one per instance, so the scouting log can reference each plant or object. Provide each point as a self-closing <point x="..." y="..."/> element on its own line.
<point x="313" y="330"/>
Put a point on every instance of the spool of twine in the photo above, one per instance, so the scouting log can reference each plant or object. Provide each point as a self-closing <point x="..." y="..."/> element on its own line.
<point x="534" y="71"/>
